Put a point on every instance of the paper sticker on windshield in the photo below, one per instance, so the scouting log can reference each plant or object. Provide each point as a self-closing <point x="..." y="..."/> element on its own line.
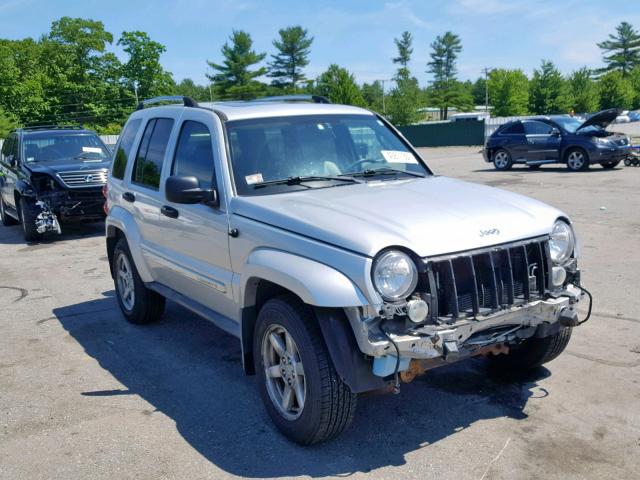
<point x="253" y="179"/>
<point x="397" y="156"/>
<point x="92" y="149"/>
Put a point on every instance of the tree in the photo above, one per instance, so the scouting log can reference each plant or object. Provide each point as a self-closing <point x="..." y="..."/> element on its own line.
<point x="286" y="66"/>
<point x="622" y="51"/>
<point x="404" y="98"/>
<point x="339" y="86"/>
<point x="509" y="91"/>
<point x="372" y="94"/>
<point x="404" y="44"/>
<point x="143" y="67"/>
<point x="235" y="78"/>
<point x="478" y="91"/>
<point x="188" y="88"/>
<point x="615" y="90"/>
<point x="583" y="91"/>
<point x="634" y="78"/>
<point x="446" y="91"/>
<point x="548" y="92"/>
<point x="7" y="123"/>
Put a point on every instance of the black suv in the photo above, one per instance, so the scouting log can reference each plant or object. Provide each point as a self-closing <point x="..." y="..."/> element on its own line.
<point x="50" y="175"/>
<point x="558" y="139"/>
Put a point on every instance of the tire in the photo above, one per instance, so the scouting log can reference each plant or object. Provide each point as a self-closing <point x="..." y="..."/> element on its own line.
<point x="328" y="405"/>
<point x="577" y="160"/>
<point x="28" y="221"/>
<point x="502" y="160"/>
<point x="610" y="165"/>
<point x="533" y="352"/>
<point x="7" y="220"/>
<point x="627" y="162"/>
<point x="142" y="305"/>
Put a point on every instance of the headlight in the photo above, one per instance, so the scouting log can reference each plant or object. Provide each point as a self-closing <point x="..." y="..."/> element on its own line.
<point x="562" y="242"/>
<point x="395" y="275"/>
<point x="601" y="140"/>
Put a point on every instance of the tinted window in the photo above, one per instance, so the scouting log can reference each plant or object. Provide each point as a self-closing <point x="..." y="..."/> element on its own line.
<point x="55" y="146"/>
<point x="194" y="153"/>
<point x="148" y="166"/>
<point x="7" y="147"/>
<point x="127" y="137"/>
<point x="514" y="128"/>
<point x="537" y="128"/>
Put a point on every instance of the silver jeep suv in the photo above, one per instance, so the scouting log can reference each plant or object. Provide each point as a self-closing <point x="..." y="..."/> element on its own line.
<point x="317" y="235"/>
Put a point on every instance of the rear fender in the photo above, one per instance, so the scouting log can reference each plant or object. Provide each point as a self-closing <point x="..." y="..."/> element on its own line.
<point x="121" y="219"/>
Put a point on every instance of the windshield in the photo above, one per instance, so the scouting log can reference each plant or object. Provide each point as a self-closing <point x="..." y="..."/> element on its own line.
<point x="571" y="124"/>
<point x="326" y="147"/>
<point x="55" y="146"/>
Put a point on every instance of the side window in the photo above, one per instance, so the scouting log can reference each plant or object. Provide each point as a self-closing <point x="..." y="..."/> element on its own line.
<point x="6" y="150"/>
<point x="194" y="154"/>
<point x="515" y="128"/>
<point x="127" y="137"/>
<point x="537" y="128"/>
<point x="148" y="166"/>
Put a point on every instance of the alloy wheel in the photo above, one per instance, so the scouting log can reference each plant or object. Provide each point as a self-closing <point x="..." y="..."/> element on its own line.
<point x="501" y="159"/>
<point x="575" y="160"/>
<point x="284" y="372"/>
<point x="125" y="283"/>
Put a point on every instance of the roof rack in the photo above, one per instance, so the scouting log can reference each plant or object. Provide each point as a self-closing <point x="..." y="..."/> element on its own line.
<point x="294" y="99"/>
<point x="51" y="127"/>
<point x="186" y="101"/>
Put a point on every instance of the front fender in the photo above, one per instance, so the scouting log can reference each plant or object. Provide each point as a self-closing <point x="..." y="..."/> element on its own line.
<point x="315" y="283"/>
<point x="121" y="219"/>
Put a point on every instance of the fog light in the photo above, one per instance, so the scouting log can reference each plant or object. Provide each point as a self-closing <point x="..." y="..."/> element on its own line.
<point x="558" y="276"/>
<point x="417" y="310"/>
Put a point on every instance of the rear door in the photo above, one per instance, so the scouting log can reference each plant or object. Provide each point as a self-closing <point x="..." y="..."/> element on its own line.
<point x="512" y="138"/>
<point x="542" y="145"/>
<point x="195" y="238"/>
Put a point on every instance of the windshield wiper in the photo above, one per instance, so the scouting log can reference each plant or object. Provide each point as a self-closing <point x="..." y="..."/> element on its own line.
<point x="300" y="180"/>
<point x="383" y="171"/>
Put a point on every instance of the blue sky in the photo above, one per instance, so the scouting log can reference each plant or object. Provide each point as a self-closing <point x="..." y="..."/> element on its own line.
<point x="356" y="34"/>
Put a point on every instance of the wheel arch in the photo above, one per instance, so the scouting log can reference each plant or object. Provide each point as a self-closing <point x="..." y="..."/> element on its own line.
<point x="120" y="224"/>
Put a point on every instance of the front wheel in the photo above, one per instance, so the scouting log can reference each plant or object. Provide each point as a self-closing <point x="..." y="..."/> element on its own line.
<point x="138" y="304"/>
<point x="577" y="160"/>
<point x="534" y="352"/>
<point x="302" y="392"/>
<point x="627" y="162"/>
<point x="28" y="220"/>
<point x="502" y="160"/>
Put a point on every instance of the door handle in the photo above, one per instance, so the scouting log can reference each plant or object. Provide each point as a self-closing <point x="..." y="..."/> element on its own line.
<point x="129" y="197"/>
<point x="170" y="212"/>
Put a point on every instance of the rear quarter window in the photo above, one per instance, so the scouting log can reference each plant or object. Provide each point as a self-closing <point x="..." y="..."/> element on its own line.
<point x="127" y="137"/>
<point x="148" y="166"/>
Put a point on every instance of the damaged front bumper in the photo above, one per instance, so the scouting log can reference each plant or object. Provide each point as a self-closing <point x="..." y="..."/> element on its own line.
<point x="75" y="205"/>
<point x="446" y="342"/>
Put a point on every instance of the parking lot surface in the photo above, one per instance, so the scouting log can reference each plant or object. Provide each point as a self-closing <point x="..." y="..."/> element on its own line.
<point x="86" y="395"/>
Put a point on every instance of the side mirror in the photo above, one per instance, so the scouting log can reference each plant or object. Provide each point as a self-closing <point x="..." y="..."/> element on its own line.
<point x="187" y="190"/>
<point x="555" y="132"/>
<point x="11" y="159"/>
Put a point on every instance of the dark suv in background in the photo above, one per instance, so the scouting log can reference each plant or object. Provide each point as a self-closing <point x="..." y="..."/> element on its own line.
<point x="558" y="139"/>
<point x="50" y="175"/>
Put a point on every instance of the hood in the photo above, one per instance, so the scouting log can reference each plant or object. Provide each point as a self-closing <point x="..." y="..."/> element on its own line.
<point x="53" y="167"/>
<point x="601" y="119"/>
<point x="430" y="216"/>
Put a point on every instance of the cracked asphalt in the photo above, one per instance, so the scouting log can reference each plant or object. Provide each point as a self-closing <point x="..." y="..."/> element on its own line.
<point x="85" y="395"/>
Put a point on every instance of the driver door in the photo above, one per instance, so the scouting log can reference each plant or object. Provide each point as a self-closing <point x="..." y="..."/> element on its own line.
<point x="543" y="141"/>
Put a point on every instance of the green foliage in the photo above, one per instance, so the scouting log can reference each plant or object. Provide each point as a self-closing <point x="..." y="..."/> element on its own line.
<point x="235" y="78"/>
<point x="7" y="123"/>
<point x="445" y="90"/>
<point x="478" y="91"/>
<point x="286" y="66"/>
<point x="372" y="95"/>
<point x="143" y="66"/>
<point x="403" y="102"/>
<point x="615" y="91"/>
<point x="621" y="51"/>
<point x="404" y="44"/>
<point x="548" y="91"/>
<point x="634" y="78"/>
<point x="583" y="91"/>
<point x="188" y="88"/>
<point x="339" y="86"/>
<point x="509" y="92"/>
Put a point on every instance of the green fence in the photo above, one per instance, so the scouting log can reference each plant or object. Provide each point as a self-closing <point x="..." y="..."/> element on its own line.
<point x="445" y="134"/>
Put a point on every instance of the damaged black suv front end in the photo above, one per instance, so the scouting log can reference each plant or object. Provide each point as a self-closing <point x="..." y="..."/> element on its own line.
<point x="58" y="176"/>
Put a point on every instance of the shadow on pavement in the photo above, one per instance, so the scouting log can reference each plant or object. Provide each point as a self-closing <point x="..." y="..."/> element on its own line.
<point x="191" y="372"/>
<point x="70" y="231"/>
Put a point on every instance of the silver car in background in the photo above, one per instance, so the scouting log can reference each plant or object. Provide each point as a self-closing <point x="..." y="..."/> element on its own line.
<point x="317" y="235"/>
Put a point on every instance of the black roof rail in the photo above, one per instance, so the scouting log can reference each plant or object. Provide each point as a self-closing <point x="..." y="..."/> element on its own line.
<point x="294" y="99"/>
<point x="186" y="101"/>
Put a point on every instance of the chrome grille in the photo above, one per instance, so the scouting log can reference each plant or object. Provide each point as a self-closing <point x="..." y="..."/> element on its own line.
<point x="84" y="178"/>
<point x="480" y="282"/>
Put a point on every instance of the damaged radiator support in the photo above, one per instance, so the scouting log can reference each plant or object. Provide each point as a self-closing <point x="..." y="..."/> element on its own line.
<point x="46" y="220"/>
